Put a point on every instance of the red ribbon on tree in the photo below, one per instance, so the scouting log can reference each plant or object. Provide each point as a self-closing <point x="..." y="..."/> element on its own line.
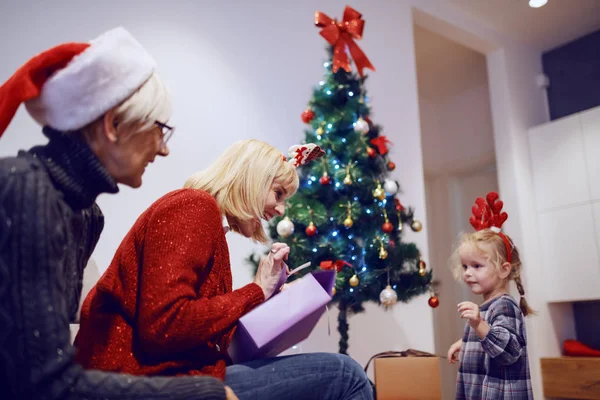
<point x="381" y="143"/>
<point x="341" y="35"/>
<point x="337" y="265"/>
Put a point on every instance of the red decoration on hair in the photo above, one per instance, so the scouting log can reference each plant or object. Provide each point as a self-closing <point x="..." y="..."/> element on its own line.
<point x="303" y="153"/>
<point x="487" y="214"/>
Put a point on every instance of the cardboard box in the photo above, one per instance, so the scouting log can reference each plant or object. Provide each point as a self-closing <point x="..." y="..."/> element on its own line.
<point x="404" y="378"/>
<point x="284" y="320"/>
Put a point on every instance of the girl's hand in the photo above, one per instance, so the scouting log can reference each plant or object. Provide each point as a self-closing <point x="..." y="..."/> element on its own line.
<point x="229" y="395"/>
<point x="454" y="351"/>
<point x="470" y="311"/>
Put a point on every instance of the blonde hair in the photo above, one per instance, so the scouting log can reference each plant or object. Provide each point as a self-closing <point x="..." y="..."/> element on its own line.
<point x="496" y="252"/>
<point x="150" y="103"/>
<point x="242" y="176"/>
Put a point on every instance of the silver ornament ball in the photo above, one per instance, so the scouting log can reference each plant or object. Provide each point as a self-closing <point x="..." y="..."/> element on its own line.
<point x="390" y="187"/>
<point x="285" y="227"/>
<point x="361" y="126"/>
<point x="388" y="296"/>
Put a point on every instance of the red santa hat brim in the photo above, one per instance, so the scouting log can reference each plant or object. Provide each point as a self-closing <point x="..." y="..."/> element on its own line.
<point x="71" y="85"/>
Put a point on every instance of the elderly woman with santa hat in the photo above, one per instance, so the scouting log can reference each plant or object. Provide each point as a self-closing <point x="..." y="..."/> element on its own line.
<point x="105" y="112"/>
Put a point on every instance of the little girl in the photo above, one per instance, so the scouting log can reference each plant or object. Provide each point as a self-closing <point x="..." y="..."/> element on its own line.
<point x="493" y="350"/>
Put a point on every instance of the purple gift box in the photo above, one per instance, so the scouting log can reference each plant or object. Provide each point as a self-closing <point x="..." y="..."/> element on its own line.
<point x="284" y="320"/>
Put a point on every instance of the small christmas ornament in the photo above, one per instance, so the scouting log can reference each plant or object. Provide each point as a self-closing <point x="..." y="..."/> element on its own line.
<point x="388" y="296"/>
<point x="371" y="152"/>
<point x="307" y="115"/>
<point x="391" y="187"/>
<point x="348" y="222"/>
<point x="333" y="291"/>
<point x="391" y="166"/>
<point x="416" y="226"/>
<point x="285" y="227"/>
<point x="311" y="230"/>
<point x="319" y="131"/>
<point x="382" y="253"/>
<point x="399" y="206"/>
<point x="354" y="281"/>
<point x="387" y="227"/>
<point x="348" y="180"/>
<point x="400" y="225"/>
<point x="379" y="193"/>
<point x="422" y="264"/>
<point x="325" y="179"/>
<point x="361" y="126"/>
<point x="422" y="271"/>
<point x="433" y="301"/>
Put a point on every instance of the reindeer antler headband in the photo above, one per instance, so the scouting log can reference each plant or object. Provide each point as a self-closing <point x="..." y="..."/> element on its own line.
<point x="300" y="154"/>
<point x="487" y="213"/>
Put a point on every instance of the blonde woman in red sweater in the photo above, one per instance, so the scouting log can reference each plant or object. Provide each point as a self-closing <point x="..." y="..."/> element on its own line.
<point x="165" y="305"/>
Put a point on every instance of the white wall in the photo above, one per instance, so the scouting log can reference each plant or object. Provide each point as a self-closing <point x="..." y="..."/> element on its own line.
<point x="242" y="69"/>
<point x="458" y="153"/>
<point x="516" y="104"/>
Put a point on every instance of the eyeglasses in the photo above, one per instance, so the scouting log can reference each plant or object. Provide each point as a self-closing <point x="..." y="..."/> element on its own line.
<point x="167" y="131"/>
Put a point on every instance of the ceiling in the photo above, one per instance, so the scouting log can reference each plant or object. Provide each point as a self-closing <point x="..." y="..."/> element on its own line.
<point x="556" y="23"/>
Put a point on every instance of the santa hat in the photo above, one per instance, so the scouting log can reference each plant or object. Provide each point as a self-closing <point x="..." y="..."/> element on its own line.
<point x="73" y="84"/>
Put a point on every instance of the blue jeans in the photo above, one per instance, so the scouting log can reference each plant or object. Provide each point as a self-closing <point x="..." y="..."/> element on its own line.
<point x="312" y="376"/>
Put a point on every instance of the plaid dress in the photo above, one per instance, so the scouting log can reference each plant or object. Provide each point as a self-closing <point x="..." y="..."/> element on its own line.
<point x="496" y="367"/>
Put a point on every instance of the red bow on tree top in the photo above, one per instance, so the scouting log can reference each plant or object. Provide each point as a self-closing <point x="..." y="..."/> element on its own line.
<point x="342" y="34"/>
<point x="488" y="214"/>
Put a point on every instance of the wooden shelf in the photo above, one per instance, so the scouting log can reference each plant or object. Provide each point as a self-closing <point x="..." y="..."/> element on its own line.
<point x="571" y="377"/>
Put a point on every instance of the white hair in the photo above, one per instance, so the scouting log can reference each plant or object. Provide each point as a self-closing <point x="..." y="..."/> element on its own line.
<point x="150" y="103"/>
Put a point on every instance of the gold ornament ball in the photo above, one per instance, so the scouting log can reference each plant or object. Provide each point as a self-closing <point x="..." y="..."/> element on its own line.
<point x="416" y="226"/>
<point x="379" y="193"/>
<point x="333" y="291"/>
<point x="383" y="253"/>
<point x="354" y="281"/>
<point x="347" y="180"/>
<point x="388" y="297"/>
<point x="319" y="131"/>
<point x="348" y="222"/>
<point x="422" y="271"/>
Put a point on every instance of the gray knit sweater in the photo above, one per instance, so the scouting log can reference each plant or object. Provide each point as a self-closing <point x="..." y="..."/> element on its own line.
<point x="49" y="226"/>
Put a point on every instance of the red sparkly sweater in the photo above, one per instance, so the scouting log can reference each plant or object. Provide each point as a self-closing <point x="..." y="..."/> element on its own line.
<point x="165" y="305"/>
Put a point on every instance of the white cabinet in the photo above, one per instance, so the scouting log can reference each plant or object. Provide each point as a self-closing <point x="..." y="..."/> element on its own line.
<point x="565" y="158"/>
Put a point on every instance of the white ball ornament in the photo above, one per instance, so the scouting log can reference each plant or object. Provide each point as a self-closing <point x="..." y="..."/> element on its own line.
<point x="388" y="296"/>
<point x="285" y="227"/>
<point x="390" y="187"/>
<point x="361" y="126"/>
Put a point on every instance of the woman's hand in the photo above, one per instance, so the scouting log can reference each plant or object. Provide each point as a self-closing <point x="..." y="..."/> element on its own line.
<point x="269" y="268"/>
<point x="229" y="395"/>
<point x="454" y="351"/>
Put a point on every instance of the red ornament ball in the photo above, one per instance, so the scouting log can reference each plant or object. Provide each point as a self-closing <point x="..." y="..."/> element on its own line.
<point x="371" y="152"/>
<point x="391" y="166"/>
<point x="311" y="230"/>
<point x="387" y="227"/>
<point x="434" y="302"/>
<point x="307" y="115"/>
<point x="325" y="180"/>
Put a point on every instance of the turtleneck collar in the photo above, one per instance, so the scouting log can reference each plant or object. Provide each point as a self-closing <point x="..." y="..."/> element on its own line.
<point x="74" y="168"/>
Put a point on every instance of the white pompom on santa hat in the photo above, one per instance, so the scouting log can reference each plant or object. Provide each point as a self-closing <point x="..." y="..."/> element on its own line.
<point x="73" y="84"/>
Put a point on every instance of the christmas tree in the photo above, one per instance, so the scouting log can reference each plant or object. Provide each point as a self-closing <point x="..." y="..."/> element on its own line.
<point x="347" y="214"/>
